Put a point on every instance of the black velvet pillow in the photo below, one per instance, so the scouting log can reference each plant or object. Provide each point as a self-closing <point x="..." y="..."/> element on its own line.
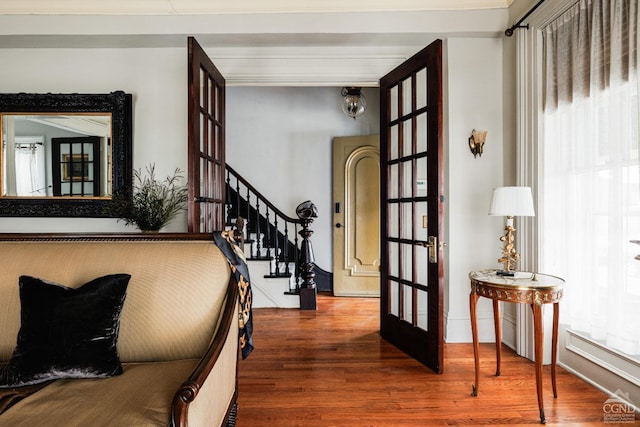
<point x="66" y="332"/>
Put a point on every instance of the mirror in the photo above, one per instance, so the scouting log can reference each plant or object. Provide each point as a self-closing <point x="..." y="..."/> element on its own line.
<point x="65" y="154"/>
<point x="56" y="154"/>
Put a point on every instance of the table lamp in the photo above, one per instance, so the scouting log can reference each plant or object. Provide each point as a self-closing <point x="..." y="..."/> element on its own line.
<point x="510" y="202"/>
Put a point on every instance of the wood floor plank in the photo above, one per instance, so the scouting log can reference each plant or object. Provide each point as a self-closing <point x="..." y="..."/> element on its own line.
<point x="330" y="368"/>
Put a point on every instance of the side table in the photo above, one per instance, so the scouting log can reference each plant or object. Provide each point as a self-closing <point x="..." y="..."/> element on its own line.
<point x="534" y="289"/>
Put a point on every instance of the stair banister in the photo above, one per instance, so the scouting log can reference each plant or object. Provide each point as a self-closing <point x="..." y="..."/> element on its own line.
<point x="260" y="196"/>
<point x="298" y="252"/>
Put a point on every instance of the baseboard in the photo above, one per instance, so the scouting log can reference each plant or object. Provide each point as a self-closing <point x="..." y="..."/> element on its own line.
<point x="458" y="328"/>
<point x="608" y="371"/>
<point x="324" y="280"/>
<point x="509" y="331"/>
<point x="624" y="396"/>
<point x="624" y="367"/>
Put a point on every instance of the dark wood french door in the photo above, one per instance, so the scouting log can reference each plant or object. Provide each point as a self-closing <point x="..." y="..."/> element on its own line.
<point x="77" y="168"/>
<point x="412" y="206"/>
<point x="206" y="135"/>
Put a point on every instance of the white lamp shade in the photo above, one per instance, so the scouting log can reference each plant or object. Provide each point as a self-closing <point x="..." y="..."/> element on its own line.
<point x="512" y="201"/>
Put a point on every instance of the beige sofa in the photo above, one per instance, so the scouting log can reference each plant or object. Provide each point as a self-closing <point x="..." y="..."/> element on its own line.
<point x="178" y="337"/>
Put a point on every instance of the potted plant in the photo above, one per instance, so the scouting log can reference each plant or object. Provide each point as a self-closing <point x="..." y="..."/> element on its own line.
<point x="155" y="203"/>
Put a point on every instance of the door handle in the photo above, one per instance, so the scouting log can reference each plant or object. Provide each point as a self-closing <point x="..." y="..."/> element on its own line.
<point x="432" y="247"/>
<point x="338" y="225"/>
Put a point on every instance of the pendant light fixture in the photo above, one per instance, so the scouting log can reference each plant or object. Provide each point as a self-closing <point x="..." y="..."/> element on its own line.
<point x="353" y="101"/>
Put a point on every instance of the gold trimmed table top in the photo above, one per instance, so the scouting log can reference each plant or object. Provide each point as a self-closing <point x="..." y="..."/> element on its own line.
<point x="524" y="287"/>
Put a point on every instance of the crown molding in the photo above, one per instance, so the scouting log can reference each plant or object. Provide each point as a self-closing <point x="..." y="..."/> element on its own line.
<point x="186" y="7"/>
<point x="295" y="66"/>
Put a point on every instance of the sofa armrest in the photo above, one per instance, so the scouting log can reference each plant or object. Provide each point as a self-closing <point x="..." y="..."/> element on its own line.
<point x="209" y="376"/>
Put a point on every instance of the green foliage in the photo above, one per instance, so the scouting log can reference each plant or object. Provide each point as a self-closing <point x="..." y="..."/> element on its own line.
<point x="155" y="203"/>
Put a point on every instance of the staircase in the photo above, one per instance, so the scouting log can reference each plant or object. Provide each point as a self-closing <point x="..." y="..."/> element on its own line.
<point x="271" y="291"/>
<point x="281" y="269"/>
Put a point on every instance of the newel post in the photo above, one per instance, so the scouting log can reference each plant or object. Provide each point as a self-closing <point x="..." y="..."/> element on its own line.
<point x="306" y="212"/>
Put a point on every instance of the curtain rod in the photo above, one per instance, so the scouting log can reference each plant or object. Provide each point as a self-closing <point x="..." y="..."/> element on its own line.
<point x="509" y="31"/>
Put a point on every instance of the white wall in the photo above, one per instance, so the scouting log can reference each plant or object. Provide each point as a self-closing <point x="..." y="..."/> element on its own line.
<point x="157" y="78"/>
<point x="277" y="137"/>
<point x="280" y="139"/>
<point x="473" y="99"/>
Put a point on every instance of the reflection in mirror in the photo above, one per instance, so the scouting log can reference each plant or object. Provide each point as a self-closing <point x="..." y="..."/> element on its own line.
<point x="56" y="155"/>
<point x="65" y="155"/>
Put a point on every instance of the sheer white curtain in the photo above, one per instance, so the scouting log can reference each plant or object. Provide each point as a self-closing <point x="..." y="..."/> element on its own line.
<point x="591" y="175"/>
<point x="29" y="169"/>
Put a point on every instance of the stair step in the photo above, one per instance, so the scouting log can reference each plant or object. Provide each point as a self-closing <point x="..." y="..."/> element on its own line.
<point x="271" y="291"/>
<point x="277" y="276"/>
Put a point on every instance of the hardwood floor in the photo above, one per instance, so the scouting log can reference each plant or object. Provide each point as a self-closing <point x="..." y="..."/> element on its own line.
<point x="331" y="368"/>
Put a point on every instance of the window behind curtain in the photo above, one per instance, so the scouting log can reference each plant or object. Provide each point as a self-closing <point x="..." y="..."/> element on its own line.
<point x="29" y="168"/>
<point x="591" y="174"/>
<point x="24" y="172"/>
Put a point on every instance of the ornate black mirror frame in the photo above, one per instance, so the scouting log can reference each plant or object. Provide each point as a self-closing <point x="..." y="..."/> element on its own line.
<point x="119" y="105"/>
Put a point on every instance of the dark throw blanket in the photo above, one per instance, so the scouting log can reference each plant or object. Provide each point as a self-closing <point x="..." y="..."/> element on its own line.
<point x="235" y="255"/>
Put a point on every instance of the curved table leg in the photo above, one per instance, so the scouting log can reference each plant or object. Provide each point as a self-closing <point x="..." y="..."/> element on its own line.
<point x="497" y="324"/>
<point x="554" y="347"/>
<point x="473" y="301"/>
<point x="539" y="340"/>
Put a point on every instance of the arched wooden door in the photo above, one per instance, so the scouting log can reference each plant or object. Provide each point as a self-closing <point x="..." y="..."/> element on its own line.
<point x="411" y="197"/>
<point x="206" y="142"/>
<point x="356" y="233"/>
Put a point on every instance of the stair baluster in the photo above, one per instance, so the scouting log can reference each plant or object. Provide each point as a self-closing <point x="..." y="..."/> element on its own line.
<point x="238" y="201"/>
<point x="248" y="214"/>
<point x="277" y="246"/>
<point x="229" y="206"/>
<point x="268" y="244"/>
<point x="296" y="257"/>
<point x="258" y="234"/>
<point x="285" y="250"/>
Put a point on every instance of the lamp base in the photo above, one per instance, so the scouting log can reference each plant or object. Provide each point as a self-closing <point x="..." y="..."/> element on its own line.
<point x="509" y="254"/>
<point x="505" y="273"/>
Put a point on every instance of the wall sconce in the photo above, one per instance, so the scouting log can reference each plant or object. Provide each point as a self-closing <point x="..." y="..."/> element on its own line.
<point x="353" y="102"/>
<point x="510" y="202"/>
<point x="476" y="141"/>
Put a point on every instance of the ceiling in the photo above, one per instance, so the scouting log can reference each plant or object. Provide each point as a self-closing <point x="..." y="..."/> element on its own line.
<point x="181" y="7"/>
<point x="259" y="42"/>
